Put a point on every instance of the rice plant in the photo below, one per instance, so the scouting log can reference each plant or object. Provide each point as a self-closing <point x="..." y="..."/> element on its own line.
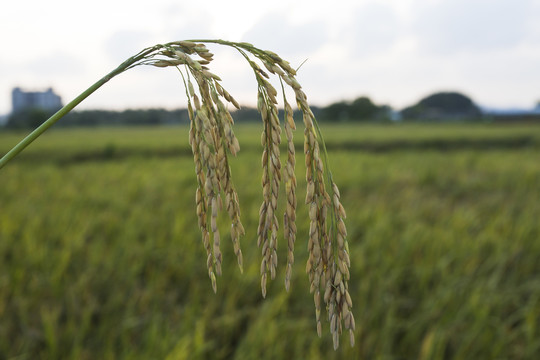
<point x="213" y="141"/>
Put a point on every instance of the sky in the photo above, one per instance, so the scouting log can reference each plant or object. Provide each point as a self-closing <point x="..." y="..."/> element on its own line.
<point x="393" y="51"/>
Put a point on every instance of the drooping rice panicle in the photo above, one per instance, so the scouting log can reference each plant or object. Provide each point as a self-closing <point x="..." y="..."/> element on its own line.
<point x="228" y="141"/>
<point x="289" y="217"/>
<point x="212" y="138"/>
<point x="328" y="259"/>
<point x="199" y="152"/>
<point x="314" y="199"/>
<point x="268" y="223"/>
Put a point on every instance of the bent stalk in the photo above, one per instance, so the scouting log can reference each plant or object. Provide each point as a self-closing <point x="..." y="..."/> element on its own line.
<point x="132" y="61"/>
<point x="213" y="141"/>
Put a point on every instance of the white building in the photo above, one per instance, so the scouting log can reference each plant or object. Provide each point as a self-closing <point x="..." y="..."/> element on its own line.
<point x="46" y="100"/>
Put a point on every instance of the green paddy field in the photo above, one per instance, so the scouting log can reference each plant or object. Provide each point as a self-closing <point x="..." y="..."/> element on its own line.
<point x="101" y="258"/>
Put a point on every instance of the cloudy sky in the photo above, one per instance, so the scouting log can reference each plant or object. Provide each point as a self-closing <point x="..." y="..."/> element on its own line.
<point x="394" y="51"/>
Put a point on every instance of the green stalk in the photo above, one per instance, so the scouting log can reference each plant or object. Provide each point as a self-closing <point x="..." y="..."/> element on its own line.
<point x="132" y="61"/>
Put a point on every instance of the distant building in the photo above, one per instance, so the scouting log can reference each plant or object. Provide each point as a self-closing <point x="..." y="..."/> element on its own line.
<point x="46" y="100"/>
<point x="536" y="110"/>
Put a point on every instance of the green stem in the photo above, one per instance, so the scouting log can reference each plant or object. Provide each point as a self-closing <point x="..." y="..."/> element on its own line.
<point x="132" y="61"/>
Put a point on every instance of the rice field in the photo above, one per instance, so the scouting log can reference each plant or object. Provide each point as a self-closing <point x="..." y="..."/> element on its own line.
<point x="101" y="256"/>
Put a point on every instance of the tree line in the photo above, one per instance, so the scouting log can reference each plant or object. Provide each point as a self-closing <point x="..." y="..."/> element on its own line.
<point x="438" y="106"/>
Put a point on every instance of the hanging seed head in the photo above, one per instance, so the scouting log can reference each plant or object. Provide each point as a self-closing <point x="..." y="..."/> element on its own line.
<point x="211" y="135"/>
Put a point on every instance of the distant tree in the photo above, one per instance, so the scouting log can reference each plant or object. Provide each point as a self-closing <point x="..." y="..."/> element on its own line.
<point x="363" y="108"/>
<point x="28" y="118"/>
<point x="126" y="117"/>
<point x="247" y="114"/>
<point x="338" y="111"/>
<point x="443" y="106"/>
<point x="360" y="109"/>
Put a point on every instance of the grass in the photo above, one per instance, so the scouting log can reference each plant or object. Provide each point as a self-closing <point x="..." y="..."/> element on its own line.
<point x="100" y="254"/>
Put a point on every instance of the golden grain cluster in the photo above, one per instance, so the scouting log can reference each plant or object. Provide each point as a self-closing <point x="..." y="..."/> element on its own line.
<point x="212" y="140"/>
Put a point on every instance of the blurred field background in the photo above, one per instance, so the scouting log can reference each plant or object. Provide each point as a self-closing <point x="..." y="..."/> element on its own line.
<point x="101" y="258"/>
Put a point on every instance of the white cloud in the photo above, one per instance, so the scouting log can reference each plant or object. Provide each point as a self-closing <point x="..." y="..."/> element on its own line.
<point x="374" y="28"/>
<point x="450" y="26"/>
<point x="125" y="43"/>
<point x="55" y="63"/>
<point x="276" y="31"/>
<point x="394" y="51"/>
